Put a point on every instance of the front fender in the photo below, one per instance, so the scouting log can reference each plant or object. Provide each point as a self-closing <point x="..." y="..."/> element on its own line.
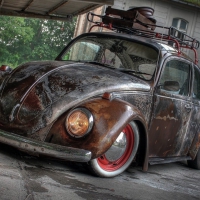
<point x="110" y="117"/>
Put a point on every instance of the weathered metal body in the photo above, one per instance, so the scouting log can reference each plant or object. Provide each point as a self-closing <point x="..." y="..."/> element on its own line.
<point x="36" y="97"/>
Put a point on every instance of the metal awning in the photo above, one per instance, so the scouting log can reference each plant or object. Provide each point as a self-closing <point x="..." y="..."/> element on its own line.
<point x="195" y="3"/>
<point x="49" y="9"/>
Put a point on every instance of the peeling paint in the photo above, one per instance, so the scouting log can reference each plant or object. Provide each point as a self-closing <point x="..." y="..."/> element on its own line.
<point x="166" y="117"/>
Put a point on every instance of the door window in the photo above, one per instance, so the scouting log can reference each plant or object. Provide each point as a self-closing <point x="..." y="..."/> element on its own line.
<point x="175" y="77"/>
<point x="196" y="86"/>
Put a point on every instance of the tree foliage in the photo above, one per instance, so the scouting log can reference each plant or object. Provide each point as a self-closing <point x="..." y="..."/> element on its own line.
<point x="27" y="39"/>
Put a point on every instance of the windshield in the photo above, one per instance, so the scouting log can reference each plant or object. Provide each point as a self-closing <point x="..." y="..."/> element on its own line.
<point x="126" y="56"/>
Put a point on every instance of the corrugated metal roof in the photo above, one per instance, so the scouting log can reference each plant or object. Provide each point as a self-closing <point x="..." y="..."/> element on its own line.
<point x="193" y="3"/>
<point x="49" y="9"/>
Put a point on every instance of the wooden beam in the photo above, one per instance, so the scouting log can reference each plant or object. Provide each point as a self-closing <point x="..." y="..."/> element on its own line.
<point x="34" y="15"/>
<point x="96" y="2"/>
<point x="58" y="6"/>
<point x="28" y="5"/>
<point x="1" y="3"/>
<point x="87" y="9"/>
<point x="100" y="2"/>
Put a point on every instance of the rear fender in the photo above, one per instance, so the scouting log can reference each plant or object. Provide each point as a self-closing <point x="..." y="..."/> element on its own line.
<point x="110" y="118"/>
<point x="195" y="146"/>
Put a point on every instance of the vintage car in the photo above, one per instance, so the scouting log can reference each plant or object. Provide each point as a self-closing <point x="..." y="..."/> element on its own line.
<point x="109" y="99"/>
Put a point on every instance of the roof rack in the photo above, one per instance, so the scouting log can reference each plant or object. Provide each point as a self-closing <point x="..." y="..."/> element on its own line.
<point x="133" y="22"/>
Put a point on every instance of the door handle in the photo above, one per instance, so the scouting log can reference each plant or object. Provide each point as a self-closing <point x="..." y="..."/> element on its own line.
<point x="188" y="106"/>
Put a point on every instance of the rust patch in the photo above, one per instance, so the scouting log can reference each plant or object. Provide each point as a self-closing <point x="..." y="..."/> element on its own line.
<point x="110" y="117"/>
<point x="164" y="128"/>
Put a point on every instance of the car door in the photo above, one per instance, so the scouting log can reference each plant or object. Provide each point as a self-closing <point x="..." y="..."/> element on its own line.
<point x="171" y="110"/>
<point x="193" y="139"/>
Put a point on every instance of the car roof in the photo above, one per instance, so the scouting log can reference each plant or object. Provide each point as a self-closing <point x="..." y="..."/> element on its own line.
<point x="157" y="44"/>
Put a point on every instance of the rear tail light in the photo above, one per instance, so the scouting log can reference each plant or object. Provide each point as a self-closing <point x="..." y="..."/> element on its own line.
<point x="5" y="68"/>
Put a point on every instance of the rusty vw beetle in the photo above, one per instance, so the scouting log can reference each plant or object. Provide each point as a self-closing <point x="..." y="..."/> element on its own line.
<point x="109" y="99"/>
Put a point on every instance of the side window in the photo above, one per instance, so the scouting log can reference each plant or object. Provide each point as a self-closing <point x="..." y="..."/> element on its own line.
<point x="196" y="85"/>
<point x="175" y="77"/>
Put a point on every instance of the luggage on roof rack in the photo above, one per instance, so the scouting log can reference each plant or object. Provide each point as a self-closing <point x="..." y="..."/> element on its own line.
<point x="139" y="17"/>
<point x="139" y="21"/>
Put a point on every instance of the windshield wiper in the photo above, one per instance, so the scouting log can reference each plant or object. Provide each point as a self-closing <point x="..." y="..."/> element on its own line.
<point x="99" y="63"/>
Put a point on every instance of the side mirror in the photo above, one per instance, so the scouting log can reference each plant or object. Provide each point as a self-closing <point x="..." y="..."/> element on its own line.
<point x="171" y="86"/>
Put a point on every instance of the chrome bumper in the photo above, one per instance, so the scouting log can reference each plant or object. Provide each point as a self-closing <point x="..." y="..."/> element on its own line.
<point x="44" y="148"/>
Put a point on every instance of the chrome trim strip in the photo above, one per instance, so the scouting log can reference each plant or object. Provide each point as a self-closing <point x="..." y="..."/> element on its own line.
<point x="44" y="148"/>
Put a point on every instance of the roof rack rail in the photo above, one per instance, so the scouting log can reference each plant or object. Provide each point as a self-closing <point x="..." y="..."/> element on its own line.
<point x="133" y="22"/>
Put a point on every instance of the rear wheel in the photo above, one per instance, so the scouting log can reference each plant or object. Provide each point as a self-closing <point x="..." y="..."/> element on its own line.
<point x="196" y="162"/>
<point x="120" y="155"/>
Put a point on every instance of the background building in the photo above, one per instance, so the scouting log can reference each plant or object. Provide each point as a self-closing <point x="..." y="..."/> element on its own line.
<point x="184" y="15"/>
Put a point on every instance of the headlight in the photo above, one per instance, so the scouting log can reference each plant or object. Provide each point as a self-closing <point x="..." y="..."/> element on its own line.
<point x="79" y="122"/>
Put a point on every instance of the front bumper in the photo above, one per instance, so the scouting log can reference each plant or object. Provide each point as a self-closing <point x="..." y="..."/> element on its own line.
<point x="43" y="148"/>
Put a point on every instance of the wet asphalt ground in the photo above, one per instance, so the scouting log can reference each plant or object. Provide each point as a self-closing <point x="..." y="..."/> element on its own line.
<point x="24" y="177"/>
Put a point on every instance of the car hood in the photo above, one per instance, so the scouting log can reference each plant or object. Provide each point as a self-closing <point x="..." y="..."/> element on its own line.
<point x="52" y="87"/>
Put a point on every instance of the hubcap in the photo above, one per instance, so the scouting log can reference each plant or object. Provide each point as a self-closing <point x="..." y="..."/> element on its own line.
<point x="117" y="149"/>
<point x="120" y="151"/>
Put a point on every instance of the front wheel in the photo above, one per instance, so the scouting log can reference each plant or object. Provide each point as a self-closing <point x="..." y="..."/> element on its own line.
<point x="120" y="155"/>
<point x="196" y="162"/>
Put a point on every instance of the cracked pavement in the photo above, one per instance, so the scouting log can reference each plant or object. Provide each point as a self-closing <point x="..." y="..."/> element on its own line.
<point x="25" y="177"/>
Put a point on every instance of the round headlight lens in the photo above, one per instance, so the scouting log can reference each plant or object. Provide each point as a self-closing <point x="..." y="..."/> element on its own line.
<point x="79" y="122"/>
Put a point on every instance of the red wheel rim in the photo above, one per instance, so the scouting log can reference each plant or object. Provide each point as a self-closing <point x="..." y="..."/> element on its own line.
<point x="108" y="165"/>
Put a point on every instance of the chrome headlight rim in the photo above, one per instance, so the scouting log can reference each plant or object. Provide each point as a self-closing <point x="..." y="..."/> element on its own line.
<point x="90" y="120"/>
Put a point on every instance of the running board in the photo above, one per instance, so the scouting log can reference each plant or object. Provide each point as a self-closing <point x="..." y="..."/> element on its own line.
<point x="154" y="161"/>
